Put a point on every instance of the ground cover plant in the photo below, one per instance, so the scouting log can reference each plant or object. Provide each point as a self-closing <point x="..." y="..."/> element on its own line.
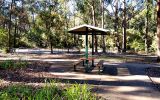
<point x="10" y="64"/>
<point x="49" y="92"/>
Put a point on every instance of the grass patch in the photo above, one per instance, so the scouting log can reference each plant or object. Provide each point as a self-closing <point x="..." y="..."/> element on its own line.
<point x="10" y="64"/>
<point x="49" y="92"/>
<point x="123" y="58"/>
<point x="112" y="58"/>
<point x="79" y="92"/>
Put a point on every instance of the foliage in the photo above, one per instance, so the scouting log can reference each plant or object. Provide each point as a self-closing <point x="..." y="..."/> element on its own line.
<point x="77" y="91"/>
<point x="137" y="45"/>
<point x="153" y="47"/>
<point x="10" y="64"/>
<point x="45" y="23"/>
<point x="49" y="92"/>
<point x="35" y="37"/>
<point x="5" y="50"/>
<point x="3" y="38"/>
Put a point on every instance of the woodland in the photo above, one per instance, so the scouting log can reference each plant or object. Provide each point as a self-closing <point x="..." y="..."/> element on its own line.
<point x="45" y="24"/>
<point x="123" y="65"/>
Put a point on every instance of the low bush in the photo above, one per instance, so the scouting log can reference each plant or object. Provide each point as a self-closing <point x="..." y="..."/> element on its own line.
<point x="78" y="92"/>
<point x="49" y="92"/>
<point x="10" y="64"/>
<point x="5" y="50"/>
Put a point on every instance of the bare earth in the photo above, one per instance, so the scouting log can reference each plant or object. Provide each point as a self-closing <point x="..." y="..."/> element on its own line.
<point x="118" y="81"/>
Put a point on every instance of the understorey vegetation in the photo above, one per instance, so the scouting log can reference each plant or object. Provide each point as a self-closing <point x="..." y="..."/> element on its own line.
<point x="48" y="92"/>
<point x="10" y="64"/>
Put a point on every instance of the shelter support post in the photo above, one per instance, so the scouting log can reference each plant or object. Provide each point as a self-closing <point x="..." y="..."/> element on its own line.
<point x="86" y="46"/>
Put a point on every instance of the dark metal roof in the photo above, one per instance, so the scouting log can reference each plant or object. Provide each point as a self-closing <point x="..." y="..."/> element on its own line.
<point x="82" y="30"/>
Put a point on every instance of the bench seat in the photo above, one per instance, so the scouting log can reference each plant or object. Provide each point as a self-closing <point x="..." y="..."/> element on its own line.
<point x="100" y="65"/>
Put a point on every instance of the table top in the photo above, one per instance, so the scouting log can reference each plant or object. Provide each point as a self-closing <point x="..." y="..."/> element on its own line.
<point x="89" y="58"/>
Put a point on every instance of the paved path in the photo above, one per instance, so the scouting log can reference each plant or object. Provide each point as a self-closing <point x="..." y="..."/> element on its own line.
<point x="119" y="81"/>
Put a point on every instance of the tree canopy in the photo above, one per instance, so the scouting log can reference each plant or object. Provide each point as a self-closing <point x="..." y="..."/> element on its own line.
<point x="44" y="23"/>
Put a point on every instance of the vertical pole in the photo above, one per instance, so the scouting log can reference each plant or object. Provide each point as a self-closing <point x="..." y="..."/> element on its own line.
<point x="92" y="48"/>
<point x="86" y="54"/>
<point x="92" y="43"/>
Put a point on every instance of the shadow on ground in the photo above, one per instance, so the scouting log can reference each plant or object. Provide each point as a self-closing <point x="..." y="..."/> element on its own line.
<point x="39" y="72"/>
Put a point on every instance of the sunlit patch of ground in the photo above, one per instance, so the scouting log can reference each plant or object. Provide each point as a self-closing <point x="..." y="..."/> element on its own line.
<point x="120" y="80"/>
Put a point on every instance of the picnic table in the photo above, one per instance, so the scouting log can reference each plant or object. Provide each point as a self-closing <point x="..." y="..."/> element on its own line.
<point x="88" y="30"/>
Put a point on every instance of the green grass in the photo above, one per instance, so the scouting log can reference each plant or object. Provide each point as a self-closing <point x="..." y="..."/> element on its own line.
<point x="10" y="64"/>
<point x="49" y="92"/>
<point x="79" y="92"/>
<point x="112" y="58"/>
<point x="121" y="58"/>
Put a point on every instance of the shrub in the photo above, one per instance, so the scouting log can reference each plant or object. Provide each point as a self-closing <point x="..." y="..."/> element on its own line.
<point x="10" y="64"/>
<point x="78" y="92"/>
<point x="5" y="50"/>
<point x="3" y="38"/>
<point x="16" y="92"/>
<point x="49" y="92"/>
<point x="137" y="45"/>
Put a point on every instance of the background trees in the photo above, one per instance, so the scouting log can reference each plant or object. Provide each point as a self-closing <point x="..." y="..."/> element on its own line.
<point x="44" y="23"/>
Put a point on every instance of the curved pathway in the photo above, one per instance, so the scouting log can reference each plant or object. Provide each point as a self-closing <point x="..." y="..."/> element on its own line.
<point x="119" y="81"/>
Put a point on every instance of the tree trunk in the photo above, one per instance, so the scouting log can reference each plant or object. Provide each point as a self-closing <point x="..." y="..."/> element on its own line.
<point x="102" y="19"/>
<point x="4" y="22"/>
<point x="124" y="27"/>
<point x="51" y="45"/>
<point x="146" y="27"/>
<point x="158" y="30"/>
<point x="33" y="20"/>
<point x="9" y="27"/>
<point x="94" y="24"/>
<point x="15" y="31"/>
<point x="116" y="27"/>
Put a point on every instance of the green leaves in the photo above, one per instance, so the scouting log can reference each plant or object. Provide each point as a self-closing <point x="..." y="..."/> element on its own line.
<point x="9" y="64"/>
<point x="79" y="92"/>
<point x="3" y="38"/>
<point x="49" y="92"/>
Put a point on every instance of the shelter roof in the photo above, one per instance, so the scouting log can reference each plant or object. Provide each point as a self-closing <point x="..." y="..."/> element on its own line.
<point x="82" y="30"/>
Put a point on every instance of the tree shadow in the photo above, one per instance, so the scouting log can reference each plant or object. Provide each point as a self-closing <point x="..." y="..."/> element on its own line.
<point x="42" y="72"/>
<point x="110" y="70"/>
<point x="125" y="69"/>
<point x="153" y="71"/>
<point x="35" y="77"/>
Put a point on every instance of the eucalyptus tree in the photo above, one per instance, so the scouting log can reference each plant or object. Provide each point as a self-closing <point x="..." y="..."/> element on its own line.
<point x="122" y="12"/>
<point x="102" y="24"/>
<point x="158" y="29"/>
<point x="115" y="7"/>
<point x="2" y="18"/>
<point x="3" y="31"/>
<point x="50" y="18"/>
<point x="10" y="22"/>
<point x="67" y="39"/>
<point x="124" y="25"/>
<point x="90" y="12"/>
<point x="148" y="14"/>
